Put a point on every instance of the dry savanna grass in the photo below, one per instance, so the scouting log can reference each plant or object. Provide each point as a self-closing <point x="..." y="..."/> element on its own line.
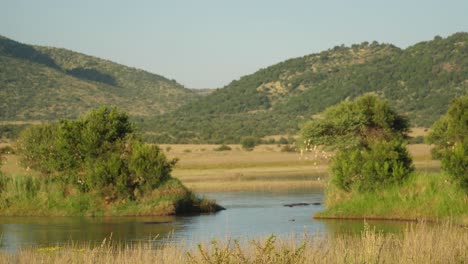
<point x="419" y="131"/>
<point x="202" y="168"/>
<point x="418" y="243"/>
<point x="265" y="168"/>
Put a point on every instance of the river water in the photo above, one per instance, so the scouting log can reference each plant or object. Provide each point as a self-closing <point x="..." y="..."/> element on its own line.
<point x="248" y="215"/>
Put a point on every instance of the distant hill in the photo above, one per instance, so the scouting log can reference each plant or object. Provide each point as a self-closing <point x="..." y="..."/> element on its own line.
<point x="419" y="81"/>
<point x="44" y="83"/>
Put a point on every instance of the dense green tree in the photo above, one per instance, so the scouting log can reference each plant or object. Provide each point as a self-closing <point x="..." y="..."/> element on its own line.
<point x="249" y="143"/>
<point x="369" y="138"/>
<point x="356" y="123"/>
<point x="100" y="151"/>
<point x="450" y="137"/>
<point x="38" y="148"/>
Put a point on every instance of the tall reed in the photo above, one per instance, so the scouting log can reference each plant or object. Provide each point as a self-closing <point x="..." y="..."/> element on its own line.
<point x="419" y="243"/>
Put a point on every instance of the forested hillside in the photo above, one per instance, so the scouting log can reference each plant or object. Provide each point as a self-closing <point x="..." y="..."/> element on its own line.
<point x="419" y="81"/>
<point x="42" y="83"/>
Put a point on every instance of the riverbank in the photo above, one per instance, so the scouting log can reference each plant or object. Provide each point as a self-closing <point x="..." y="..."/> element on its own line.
<point x="35" y="196"/>
<point x="419" y="243"/>
<point x="424" y="196"/>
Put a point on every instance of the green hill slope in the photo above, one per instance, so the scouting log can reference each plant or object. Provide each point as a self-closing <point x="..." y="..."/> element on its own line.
<point x="42" y="83"/>
<point x="419" y="81"/>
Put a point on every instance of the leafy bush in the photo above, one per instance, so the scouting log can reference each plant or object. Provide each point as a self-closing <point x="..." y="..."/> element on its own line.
<point x="283" y="141"/>
<point x="450" y="136"/>
<point x="100" y="151"/>
<point x="248" y="143"/>
<point x="356" y="124"/>
<point x="7" y="150"/>
<point x="383" y="163"/>
<point x="37" y="146"/>
<point x="3" y="179"/>
<point x="222" y="148"/>
<point x="369" y="137"/>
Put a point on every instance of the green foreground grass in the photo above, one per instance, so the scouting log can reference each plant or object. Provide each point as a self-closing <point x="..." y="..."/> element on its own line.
<point x="419" y="243"/>
<point x="37" y="196"/>
<point x="430" y="196"/>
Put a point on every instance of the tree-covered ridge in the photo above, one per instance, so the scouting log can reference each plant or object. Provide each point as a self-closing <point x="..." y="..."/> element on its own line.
<point x="50" y="83"/>
<point x="418" y="81"/>
<point x="266" y="87"/>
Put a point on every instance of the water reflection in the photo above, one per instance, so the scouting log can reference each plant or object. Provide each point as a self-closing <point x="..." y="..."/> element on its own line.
<point x="254" y="214"/>
<point x="249" y="215"/>
<point x="43" y="231"/>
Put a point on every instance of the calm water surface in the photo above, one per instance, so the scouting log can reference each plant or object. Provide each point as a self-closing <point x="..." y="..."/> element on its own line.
<point x="248" y="215"/>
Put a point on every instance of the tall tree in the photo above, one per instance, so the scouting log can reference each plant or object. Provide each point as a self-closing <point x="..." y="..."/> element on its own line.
<point x="450" y="137"/>
<point x="369" y="138"/>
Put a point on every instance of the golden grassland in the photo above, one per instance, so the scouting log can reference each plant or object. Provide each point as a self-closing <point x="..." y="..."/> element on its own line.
<point x="265" y="168"/>
<point x="201" y="168"/>
<point x="418" y="243"/>
<point x="419" y="131"/>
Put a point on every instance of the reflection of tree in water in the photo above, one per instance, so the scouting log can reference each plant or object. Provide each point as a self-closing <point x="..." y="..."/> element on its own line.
<point x="20" y="232"/>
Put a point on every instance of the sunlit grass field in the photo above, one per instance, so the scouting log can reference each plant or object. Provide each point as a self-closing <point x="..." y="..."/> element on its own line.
<point x="266" y="167"/>
<point x="201" y="168"/>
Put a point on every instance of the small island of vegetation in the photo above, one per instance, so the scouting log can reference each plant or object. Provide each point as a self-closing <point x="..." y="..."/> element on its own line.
<point x="372" y="175"/>
<point x="96" y="165"/>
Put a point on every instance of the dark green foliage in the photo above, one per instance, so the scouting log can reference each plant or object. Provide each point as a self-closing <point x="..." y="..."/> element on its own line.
<point x="249" y="143"/>
<point x="7" y="150"/>
<point x="222" y="148"/>
<point x="369" y="137"/>
<point x="149" y="166"/>
<point x="450" y="136"/>
<point x="381" y="164"/>
<point x="283" y="141"/>
<point x="10" y="132"/>
<point x="39" y="150"/>
<point x="3" y="179"/>
<point x="99" y="152"/>
<point x="356" y="123"/>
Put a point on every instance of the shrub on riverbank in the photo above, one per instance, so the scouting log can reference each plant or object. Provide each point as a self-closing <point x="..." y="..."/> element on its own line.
<point x="100" y="151"/>
<point x="95" y="165"/>
<point x="39" y="196"/>
<point x="369" y="137"/>
<point x="450" y="137"/>
<point x="420" y="243"/>
<point x="433" y="196"/>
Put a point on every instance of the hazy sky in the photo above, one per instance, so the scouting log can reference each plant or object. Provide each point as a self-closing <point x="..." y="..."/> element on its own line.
<point x="208" y="43"/>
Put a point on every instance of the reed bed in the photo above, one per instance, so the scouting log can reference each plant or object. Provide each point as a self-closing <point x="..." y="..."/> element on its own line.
<point x="419" y="243"/>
